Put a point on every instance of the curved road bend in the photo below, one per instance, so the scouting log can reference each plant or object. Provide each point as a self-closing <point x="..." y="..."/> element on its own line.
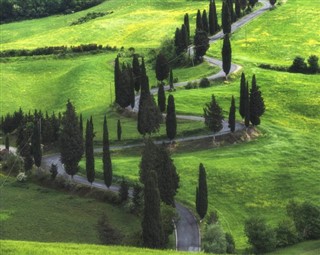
<point x="187" y="235"/>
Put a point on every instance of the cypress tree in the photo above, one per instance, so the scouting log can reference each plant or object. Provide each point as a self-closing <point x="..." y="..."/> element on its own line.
<point x="213" y="115"/>
<point x="226" y="18"/>
<point x="187" y="25"/>
<point x="124" y="190"/>
<point x="7" y="143"/>
<point x="233" y="16"/>
<point x="232" y="116"/>
<point x="257" y="107"/>
<point x="243" y="96"/>
<point x="149" y="116"/>
<point x="159" y="160"/>
<point x="184" y="41"/>
<point x="36" y="145"/>
<point x="202" y="193"/>
<point x="161" y="98"/>
<point x="201" y="44"/>
<point x="168" y="179"/>
<point x="171" y="80"/>
<point x="177" y="42"/>
<point x="199" y="24"/>
<point x="132" y="88"/>
<point x="247" y="106"/>
<point x="238" y="8"/>
<point x="89" y="151"/>
<point x="243" y="4"/>
<point x="117" y="81"/>
<point x="205" y="21"/>
<point x="226" y="55"/>
<point x="162" y="67"/>
<point x="136" y="72"/>
<point x="81" y="124"/>
<point x="106" y="158"/>
<point x="152" y="230"/>
<point x="119" y="130"/>
<point x="71" y="142"/>
<point x="213" y="19"/>
<point x="171" y="120"/>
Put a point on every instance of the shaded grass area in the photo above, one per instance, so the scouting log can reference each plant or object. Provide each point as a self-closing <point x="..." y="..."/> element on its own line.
<point x="19" y="247"/>
<point x="305" y="248"/>
<point x="34" y="213"/>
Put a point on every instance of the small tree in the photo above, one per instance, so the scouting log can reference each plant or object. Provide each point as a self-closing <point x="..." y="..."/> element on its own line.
<point x="71" y="142"/>
<point x="7" y="143"/>
<point x="257" y="107"/>
<point x="202" y="193"/>
<point x="106" y="158"/>
<point x="243" y="96"/>
<point x="201" y="44"/>
<point x="53" y="171"/>
<point x="171" y="80"/>
<point x="152" y="230"/>
<point x="124" y="190"/>
<point x="205" y="21"/>
<point x="89" y="151"/>
<point x="199" y="24"/>
<point x="161" y="98"/>
<point x="214" y="239"/>
<point x="162" y="68"/>
<point x="213" y="115"/>
<point x="272" y="2"/>
<point x="260" y="236"/>
<point x="226" y="55"/>
<point x="313" y="64"/>
<point x="226" y="18"/>
<point x="232" y="116"/>
<point x="119" y="130"/>
<point x="171" y="119"/>
<point x="231" y="245"/>
<point x="298" y="65"/>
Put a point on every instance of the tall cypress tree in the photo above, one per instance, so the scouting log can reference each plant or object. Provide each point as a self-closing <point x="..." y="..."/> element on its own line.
<point x="71" y="143"/>
<point x="205" y="23"/>
<point x="152" y="230"/>
<point x="177" y="42"/>
<point x="184" y="41"/>
<point x="213" y="19"/>
<point x="213" y="115"/>
<point x="81" y="124"/>
<point x="117" y="80"/>
<point x="232" y="116"/>
<point x="36" y="145"/>
<point x="201" y="43"/>
<point x="247" y="106"/>
<point x="257" y="107"/>
<point x="226" y="18"/>
<point x="187" y="25"/>
<point x="199" y="24"/>
<point x="238" y="8"/>
<point x="202" y="193"/>
<point x="136" y="72"/>
<point x="89" y="151"/>
<point x="119" y="130"/>
<point x="233" y="15"/>
<point x="132" y="88"/>
<point x="226" y="55"/>
<point x="161" y="98"/>
<point x="106" y="158"/>
<point x="243" y="96"/>
<point x="171" y="119"/>
<point x="171" y="80"/>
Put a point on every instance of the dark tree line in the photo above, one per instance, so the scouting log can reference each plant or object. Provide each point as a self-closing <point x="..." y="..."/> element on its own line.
<point x="12" y="10"/>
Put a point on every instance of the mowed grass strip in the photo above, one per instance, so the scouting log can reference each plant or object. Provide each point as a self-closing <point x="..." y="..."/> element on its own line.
<point x="33" y="213"/>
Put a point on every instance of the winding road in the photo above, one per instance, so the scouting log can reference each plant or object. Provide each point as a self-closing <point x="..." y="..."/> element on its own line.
<point x="187" y="229"/>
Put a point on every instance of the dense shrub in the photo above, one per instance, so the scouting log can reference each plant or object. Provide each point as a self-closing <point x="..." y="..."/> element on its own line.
<point x="90" y="16"/>
<point x="12" y="163"/>
<point x="107" y="234"/>
<point x="313" y="64"/>
<point x="286" y="233"/>
<point x="214" y="239"/>
<point x="260" y="235"/>
<point x="231" y="246"/>
<point x="204" y="83"/>
<point x="191" y="85"/>
<point x="298" y="65"/>
<point x="306" y="218"/>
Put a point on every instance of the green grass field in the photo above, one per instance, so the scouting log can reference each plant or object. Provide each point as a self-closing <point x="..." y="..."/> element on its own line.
<point x="34" y="213"/>
<point x="258" y="177"/>
<point x="23" y="248"/>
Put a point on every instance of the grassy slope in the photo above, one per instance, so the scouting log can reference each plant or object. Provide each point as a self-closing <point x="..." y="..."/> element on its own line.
<point x="23" y="248"/>
<point x="133" y="24"/>
<point x="27" y="212"/>
<point x="260" y="177"/>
